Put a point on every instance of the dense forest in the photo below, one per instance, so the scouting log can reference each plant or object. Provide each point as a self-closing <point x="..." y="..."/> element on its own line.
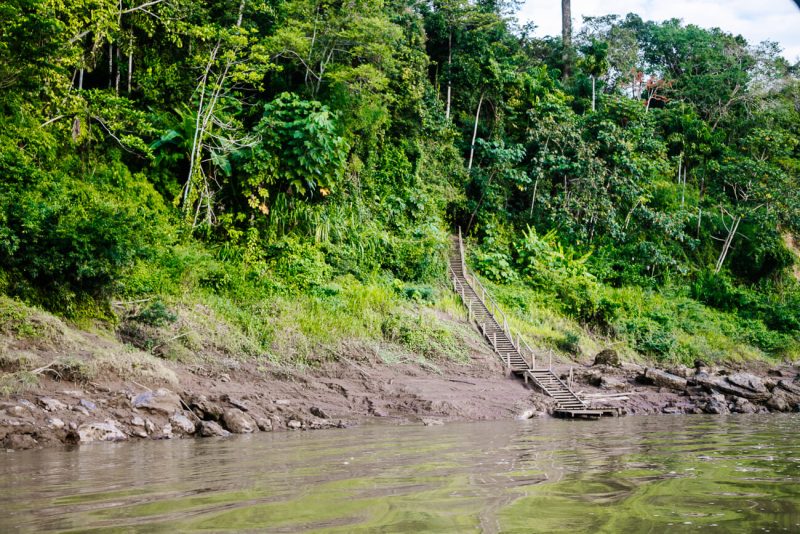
<point x="292" y="169"/>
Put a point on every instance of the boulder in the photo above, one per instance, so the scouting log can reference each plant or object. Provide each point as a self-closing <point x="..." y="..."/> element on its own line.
<point x="182" y="423"/>
<point x="747" y="381"/>
<point x="607" y="357"/>
<point x="160" y="401"/>
<point x="56" y="423"/>
<point x="319" y="412"/>
<point x="665" y="380"/>
<point x="264" y="424"/>
<point x="210" y="429"/>
<point x="723" y="386"/>
<point x="779" y="402"/>
<point x="741" y="405"/>
<point x="294" y="424"/>
<point x="51" y="405"/>
<point x="205" y="409"/>
<point x="716" y="405"/>
<point x="791" y="387"/>
<point x="238" y="422"/>
<point x="19" y="441"/>
<point x="610" y="382"/>
<point x="89" y="405"/>
<point x="106" y="431"/>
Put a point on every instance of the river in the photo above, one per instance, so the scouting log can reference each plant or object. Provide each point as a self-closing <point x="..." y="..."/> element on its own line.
<point x="635" y="474"/>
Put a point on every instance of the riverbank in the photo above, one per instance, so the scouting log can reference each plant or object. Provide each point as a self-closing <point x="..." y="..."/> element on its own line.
<point x="241" y="398"/>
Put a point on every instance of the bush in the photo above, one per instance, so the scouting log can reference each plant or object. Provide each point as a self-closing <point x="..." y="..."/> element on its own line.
<point x="66" y="239"/>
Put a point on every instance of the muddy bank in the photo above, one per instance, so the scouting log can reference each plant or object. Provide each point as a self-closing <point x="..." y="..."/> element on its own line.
<point x="243" y="398"/>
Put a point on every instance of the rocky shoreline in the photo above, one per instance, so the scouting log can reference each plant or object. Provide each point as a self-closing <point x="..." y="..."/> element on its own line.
<point x="246" y="400"/>
<point x="635" y="389"/>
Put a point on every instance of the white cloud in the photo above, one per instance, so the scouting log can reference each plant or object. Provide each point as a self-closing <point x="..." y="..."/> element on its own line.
<point x="778" y="20"/>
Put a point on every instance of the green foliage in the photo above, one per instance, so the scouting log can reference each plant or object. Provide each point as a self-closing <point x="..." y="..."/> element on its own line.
<point x="156" y="313"/>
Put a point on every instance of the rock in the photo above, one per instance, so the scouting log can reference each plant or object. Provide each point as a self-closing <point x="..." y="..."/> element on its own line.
<point x="149" y="426"/>
<point x="161" y="400"/>
<point x="238" y="422"/>
<point x="747" y="381"/>
<point x="264" y="424"/>
<point x="183" y="423"/>
<point x="665" y="380"/>
<point x="716" y="405"/>
<point x="138" y="432"/>
<point x="239" y="404"/>
<point x="137" y="421"/>
<point x="319" y="412"/>
<point x="55" y="422"/>
<point x="294" y="424"/>
<point x="430" y="421"/>
<point x="89" y="405"/>
<point x="166" y="431"/>
<point x="610" y="382"/>
<point x="51" y="405"/>
<point x="29" y="405"/>
<point x="593" y="378"/>
<point x="80" y="409"/>
<point x="16" y="411"/>
<point x="791" y="387"/>
<point x="210" y="429"/>
<point x="19" y="442"/>
<point x="283" y="402"/>
<point x="607" y="357"/>
<point x="741" y="405"/>
<point x="726" y="387"/>
<point x="527" y="414"/>
<point x="76" y="393"/>
<point x="779" y="402"/>
<point x="224" y="377"/>
<point x="106" y="431"/>
<point x="700" y="366"/>
<point x="681" y="371"/>
<point x="205" y="409"/>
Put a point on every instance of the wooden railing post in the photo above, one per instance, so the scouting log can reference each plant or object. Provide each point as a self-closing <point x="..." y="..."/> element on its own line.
<point x="550" y="363"/>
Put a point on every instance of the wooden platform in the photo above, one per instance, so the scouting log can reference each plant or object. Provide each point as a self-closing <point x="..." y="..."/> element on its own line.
<point x="587" y="413"/>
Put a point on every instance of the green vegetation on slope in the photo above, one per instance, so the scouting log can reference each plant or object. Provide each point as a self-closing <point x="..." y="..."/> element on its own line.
<point x="270" y="179"/>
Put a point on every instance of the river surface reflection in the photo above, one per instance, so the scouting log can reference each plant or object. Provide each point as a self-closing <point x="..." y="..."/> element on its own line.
<point x="635" y="474"/>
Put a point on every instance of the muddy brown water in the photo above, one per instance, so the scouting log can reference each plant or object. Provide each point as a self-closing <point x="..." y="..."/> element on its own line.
<point x="635" y="474"/>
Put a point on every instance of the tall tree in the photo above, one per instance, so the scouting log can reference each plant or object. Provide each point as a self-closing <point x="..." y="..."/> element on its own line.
<point x="566" y="36"/>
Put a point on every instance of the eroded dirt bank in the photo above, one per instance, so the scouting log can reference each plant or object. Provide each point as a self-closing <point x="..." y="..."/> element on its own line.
<point x="243" y="399"/>
<point x="235" y="397"/>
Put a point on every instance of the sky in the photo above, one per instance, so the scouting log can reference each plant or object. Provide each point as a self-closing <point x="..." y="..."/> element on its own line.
<point x="756" y="20"/>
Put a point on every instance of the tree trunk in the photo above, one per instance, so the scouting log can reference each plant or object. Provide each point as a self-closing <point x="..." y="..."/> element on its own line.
<point x="566" y="35"/>
<point x="130" y="64"/>
<point x="593" y="94"/>
<point x="727" y="246"/>
<point x="110" y="65"/>
<point x="449" y="71"/>
<point x="474" y="133"/>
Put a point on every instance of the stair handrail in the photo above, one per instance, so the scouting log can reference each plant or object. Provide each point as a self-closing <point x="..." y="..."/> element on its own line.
<point x="494" y="308"/>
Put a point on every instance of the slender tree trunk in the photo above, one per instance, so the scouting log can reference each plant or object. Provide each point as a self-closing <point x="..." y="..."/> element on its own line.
<point x="566" y="35"/>
<point x="533" y="198"/>
<point x="130" y="64"/>
<point x="727" y="246"/>
<point x="80" y="79"/>
<point x="116" y="82"/>
<point x="449" y="71"/>
<point x="474" y="133"/>
<point x="593" y="94"/>
<point x="110" y="65"/>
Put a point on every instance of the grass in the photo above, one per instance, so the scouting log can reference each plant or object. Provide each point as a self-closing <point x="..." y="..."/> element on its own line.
<point x="649" y="326"/>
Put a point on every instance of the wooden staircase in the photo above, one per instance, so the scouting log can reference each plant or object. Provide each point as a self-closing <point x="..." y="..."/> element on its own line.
<point x="517" y="355"/>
